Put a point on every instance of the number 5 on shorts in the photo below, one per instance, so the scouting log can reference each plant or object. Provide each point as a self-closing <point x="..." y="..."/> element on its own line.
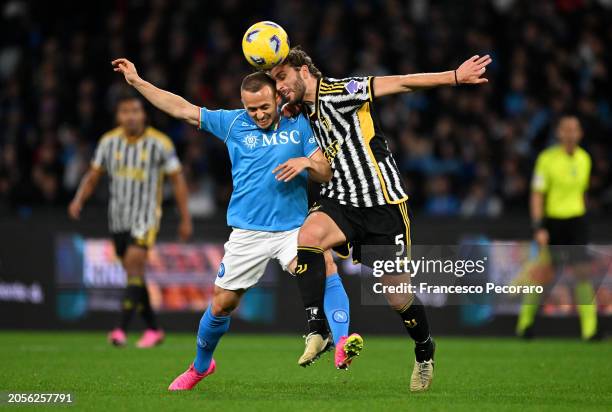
<point x="399" y="241"/>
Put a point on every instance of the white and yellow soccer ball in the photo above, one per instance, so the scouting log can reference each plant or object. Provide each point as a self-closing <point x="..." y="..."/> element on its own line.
<point x="265" y="44"/>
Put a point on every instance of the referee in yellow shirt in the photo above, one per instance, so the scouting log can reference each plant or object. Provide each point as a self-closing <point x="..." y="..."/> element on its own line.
<point x="560" y="181"/>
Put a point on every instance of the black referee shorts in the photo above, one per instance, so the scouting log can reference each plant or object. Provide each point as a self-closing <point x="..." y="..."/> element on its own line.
<point x="387" y="227"/>
<point x="568" y="239"/>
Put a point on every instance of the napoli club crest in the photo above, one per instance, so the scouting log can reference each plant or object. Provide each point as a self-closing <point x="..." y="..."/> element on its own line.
<point x="221" y="271"/>
<point x="340" y="316"/>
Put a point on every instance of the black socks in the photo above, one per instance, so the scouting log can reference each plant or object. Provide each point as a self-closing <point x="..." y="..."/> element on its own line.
<point x="415" y="320"/>
<point x="310" y="273"/>
<point x="129" y="304"/>
<point x="137" y="298"/>
<point x="146" y="310"/>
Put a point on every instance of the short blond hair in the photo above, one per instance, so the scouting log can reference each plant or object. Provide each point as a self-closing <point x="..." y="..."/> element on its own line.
<point x="254" y="82"/>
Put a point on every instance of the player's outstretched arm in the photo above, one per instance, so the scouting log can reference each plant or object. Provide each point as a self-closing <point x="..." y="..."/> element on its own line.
<point x="317" y="166"/>
<point x="469" y="72"/>
<point x="86" y="188"/>
<point x="165" y="101"/>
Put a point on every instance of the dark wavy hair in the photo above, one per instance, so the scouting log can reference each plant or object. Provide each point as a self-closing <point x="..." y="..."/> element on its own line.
<point x="298" y="58"/>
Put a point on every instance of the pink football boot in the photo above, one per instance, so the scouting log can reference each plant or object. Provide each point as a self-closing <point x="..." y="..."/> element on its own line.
<point x="347" y="349"/>
<point x="191" y="377"/>
<point x="117" y="337"/>
<point x="150" y="338"/>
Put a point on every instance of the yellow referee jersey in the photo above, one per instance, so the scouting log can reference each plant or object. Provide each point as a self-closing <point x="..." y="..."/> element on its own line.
<point x="564" y="179"/>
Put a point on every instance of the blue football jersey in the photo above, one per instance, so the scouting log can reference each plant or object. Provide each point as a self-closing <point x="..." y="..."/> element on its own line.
<point x="259" y="201"/>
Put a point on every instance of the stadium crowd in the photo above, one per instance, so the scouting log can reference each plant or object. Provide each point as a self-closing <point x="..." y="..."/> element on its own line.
<point x="464" y="151"/>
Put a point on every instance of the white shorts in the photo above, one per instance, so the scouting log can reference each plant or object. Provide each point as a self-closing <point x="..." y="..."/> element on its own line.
<point x="247" y="252"/>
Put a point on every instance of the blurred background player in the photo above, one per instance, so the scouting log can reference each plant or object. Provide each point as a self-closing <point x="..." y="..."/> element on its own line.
<point x="366" y="200"/>
<point x="136" y="158"/>
<point x="558" y="208"/>
<point x="269" y="203"/>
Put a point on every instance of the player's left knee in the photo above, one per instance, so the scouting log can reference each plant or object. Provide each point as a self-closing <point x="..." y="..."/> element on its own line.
<point x="311" y="234"/>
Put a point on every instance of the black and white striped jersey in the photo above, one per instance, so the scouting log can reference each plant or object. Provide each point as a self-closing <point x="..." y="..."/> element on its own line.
<point x="364" y="171"/>
<point x="136" y="169"/>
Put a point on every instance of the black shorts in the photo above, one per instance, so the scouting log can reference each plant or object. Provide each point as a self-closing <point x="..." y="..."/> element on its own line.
<point x="571" y="235"/>
<point x="124" y="239"/>
<point x="386" y="225"/>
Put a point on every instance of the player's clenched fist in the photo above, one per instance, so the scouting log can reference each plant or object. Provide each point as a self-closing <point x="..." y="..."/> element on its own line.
<point x="127" y="68"/>
<point x="470" y="71"/>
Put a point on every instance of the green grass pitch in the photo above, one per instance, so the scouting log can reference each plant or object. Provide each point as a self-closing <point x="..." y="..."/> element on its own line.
<point x="261" y="373"/>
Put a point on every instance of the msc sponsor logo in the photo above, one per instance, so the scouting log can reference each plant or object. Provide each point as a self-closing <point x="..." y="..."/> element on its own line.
<point x="273" y="139"/>
<point x="280" y="138"/>
<point x="250" y="140"/>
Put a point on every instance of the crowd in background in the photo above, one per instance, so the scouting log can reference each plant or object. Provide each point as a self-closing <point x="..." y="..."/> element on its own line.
<point x="463" y="151"/>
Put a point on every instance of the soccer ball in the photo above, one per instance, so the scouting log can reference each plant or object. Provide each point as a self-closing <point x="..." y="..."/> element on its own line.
<point x="265" y="44"/>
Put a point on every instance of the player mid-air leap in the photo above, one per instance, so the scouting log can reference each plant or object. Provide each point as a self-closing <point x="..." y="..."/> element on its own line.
<point x="269" y="154"/>
<point x="365" y="202"/>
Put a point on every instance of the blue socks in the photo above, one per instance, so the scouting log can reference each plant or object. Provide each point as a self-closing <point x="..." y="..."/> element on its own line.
<point x="336" y="306"/>
<point x="210" y="331"/>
